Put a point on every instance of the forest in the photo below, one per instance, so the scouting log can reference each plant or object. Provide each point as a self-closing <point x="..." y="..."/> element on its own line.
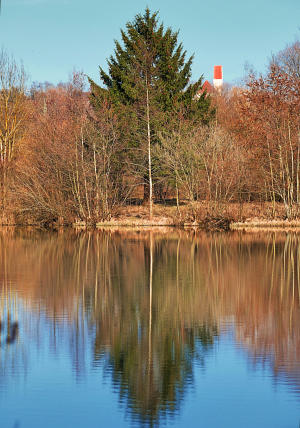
<point x="148" y="136"/>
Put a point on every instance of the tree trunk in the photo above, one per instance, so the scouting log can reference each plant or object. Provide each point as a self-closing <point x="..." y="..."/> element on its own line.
<point x="146" y="189"/>
<point x="149" y="153"/>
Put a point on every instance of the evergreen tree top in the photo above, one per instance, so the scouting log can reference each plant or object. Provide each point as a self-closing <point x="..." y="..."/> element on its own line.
<point x="150" y="57"/>
<point x="148" y="50"/>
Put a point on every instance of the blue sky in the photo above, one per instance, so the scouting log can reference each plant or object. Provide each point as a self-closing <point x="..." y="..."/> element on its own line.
<point x="53" y="37"/>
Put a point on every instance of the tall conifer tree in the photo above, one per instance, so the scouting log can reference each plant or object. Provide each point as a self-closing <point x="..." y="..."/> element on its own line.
<point x="148" y="81"/>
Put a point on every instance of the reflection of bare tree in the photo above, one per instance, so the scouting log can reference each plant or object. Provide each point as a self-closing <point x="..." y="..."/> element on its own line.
<point x="270" y="331"/>
<point x="152" y="302"/>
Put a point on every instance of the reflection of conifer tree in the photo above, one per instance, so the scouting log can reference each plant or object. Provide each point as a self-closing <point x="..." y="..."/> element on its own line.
<point x="151" y="349"/>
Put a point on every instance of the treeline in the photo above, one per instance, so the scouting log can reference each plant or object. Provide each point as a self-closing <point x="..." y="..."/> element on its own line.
<point x="72" y="153"/>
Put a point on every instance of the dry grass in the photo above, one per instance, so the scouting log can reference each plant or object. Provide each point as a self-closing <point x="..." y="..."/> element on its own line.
<point x="200" y="213"/>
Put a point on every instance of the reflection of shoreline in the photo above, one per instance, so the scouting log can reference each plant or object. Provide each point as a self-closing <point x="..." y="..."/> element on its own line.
<point x="200" y="283"/>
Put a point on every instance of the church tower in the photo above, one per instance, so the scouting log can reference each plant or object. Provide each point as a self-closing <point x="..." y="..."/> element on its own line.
<point x="218" y="77"/>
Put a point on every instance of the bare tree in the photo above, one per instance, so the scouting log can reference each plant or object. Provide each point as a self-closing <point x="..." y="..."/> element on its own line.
<point x="12" y="115"/>
<point x="203" y="163"/>
<point x="288" y="60"/>
<point x="70" y="165"/>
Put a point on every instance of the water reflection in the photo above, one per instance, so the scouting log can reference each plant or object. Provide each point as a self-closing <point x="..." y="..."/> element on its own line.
<point x="12" y="331"/>
<point x="150" y="306"/>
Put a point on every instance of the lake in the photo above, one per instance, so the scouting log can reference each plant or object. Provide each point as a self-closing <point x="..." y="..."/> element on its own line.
<point x="125" y="328"/>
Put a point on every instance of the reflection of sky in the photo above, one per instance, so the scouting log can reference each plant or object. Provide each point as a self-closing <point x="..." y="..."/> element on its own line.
<point x="63" y="388"/>
<point x="231" y="394"/>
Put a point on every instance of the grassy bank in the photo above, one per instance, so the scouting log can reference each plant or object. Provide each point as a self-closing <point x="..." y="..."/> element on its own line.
<point x="207" y="216"/>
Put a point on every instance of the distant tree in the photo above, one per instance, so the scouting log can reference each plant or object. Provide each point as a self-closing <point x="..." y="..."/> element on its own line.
<point x="148" y="81"/>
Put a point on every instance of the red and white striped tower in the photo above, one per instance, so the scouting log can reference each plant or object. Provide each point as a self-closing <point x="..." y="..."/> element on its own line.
<point x="218" y="77"/>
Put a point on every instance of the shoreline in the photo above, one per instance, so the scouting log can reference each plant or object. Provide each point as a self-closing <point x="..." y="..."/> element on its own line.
<point x="247" y="226"/>
<point x="233" y="216"/>
<point x="264" y="224"/>
<point x="252" y="225"/>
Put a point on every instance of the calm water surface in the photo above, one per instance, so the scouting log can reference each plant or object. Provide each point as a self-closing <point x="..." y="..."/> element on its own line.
<point x="128" y="329"/>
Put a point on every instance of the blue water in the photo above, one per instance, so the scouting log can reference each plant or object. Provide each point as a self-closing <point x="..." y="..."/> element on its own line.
<point x="103" y="353"/>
